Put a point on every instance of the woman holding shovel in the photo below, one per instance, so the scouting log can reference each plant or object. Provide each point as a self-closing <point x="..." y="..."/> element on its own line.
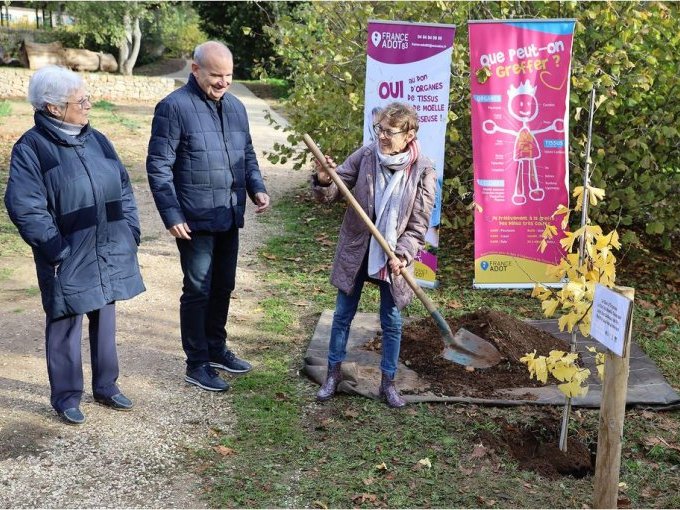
<point x="395" y="186"/>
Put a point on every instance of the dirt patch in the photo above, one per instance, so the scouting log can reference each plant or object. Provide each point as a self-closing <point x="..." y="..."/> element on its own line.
<point x="422" y="345"/>
<point x="535" y="446"/>
<point x="19" y="439"/>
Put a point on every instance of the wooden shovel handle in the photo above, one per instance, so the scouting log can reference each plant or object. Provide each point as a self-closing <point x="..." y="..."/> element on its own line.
<point x="369" y="223"/>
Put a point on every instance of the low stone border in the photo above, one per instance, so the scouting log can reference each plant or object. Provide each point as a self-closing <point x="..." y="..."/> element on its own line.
<point x="14" y="84"/>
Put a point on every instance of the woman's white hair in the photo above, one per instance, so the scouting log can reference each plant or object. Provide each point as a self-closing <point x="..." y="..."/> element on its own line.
<point x="52" y="85"/>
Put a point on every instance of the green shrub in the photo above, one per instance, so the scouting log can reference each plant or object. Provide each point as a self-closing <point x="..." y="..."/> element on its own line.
<point x="5" y="108"/>
<point x="626" y="50"/>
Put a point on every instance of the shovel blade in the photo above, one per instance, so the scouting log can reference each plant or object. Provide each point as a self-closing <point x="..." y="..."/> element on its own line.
<point x="470" y="350"/>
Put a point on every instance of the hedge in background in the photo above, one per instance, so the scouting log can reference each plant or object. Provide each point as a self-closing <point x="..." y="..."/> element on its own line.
<point x="628" y="51"/>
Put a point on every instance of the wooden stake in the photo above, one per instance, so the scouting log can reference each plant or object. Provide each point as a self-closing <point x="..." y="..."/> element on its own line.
<point x="612" y="414"/>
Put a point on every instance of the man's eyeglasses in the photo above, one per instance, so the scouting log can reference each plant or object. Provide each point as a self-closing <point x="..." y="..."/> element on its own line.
<point x="377" y="129"/>
<point x="81" y="103"/>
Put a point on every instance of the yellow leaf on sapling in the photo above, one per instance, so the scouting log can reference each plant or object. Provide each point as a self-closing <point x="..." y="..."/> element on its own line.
<point x="561" y="209"/>
<point x="581" y="374"/>
<point x="563" y="371"/>
<point x="549" y="306"/>
<point x="549" y="232"/>
<point x="573" y="389"/>
<point x="541" y="370"/>
<point x="595" y="194"/>
<point x="528" y="357"/>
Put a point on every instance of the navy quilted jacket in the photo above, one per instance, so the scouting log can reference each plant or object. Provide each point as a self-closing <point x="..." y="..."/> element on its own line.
<point x="71" y="199"/>
<point x="200" y="167"/>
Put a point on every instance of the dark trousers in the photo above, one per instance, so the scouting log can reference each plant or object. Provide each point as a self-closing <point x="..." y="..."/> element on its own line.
<point x="64" y="360"/>
<point x="209" y="266"/>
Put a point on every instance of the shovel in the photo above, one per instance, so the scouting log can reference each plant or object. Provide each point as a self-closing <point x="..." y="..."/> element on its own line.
<point x="464" y="347"/>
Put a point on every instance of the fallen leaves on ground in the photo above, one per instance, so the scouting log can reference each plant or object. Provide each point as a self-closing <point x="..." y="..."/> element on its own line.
<point x="653" y="441"/>
<point x="360" y="499"/>
<point x="224" y="450"/>
<point x="479" y="451"/>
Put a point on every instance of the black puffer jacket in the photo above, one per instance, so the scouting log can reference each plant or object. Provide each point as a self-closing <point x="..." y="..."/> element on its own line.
<point x="71" y="199"/>
<point x="200" y="168"/>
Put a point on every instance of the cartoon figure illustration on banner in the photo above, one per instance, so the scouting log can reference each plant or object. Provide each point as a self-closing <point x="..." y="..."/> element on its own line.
<point x="523" y="106"/>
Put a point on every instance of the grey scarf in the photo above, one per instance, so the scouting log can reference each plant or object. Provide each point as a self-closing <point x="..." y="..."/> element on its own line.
<point x="390" y="181"/>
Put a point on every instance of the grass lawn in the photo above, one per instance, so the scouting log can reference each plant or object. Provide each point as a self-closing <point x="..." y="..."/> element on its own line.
<point x="289" y="451"/>
<point x="286" y="450"/>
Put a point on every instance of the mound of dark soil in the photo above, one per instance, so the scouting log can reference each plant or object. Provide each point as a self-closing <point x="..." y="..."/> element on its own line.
<point x="422" y="345"/>
<point x="535" y="446"/>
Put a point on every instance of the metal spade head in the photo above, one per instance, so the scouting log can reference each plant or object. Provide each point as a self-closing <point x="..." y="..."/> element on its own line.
<point x="470" y="350"/>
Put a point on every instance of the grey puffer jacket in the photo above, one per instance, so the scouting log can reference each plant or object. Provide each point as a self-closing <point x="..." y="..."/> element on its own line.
<point x="358" y="174"/>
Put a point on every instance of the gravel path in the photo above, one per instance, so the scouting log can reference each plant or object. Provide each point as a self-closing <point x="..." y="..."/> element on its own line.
<point x="141" y="458"/>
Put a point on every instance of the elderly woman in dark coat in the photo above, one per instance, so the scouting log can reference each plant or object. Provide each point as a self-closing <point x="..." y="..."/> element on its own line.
<point x="395" y="185"/>
<point x="70" y="197"/>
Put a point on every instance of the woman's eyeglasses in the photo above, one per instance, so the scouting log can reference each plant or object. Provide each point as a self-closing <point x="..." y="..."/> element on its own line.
<point x="81" y="103"/>
<point x="377" y="129"/>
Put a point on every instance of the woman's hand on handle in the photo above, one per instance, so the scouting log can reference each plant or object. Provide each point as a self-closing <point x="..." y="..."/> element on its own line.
<point x="323" y="176"/>
<point x="397" y="265"/>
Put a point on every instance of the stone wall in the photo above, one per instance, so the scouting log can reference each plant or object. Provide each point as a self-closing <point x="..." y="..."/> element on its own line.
<point x="112" y="87"/>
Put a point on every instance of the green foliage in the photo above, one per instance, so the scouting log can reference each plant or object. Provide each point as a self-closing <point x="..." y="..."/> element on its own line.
<point x="275" y="88"/>
<point x="627" y="51"/>
<point x="241" y="25"/>
<point x="104" y="20"/>
<point x="114" y="23"/>
<point x="5" y="108"/>
<point x="173" y="31"/>
<point x="105" y="105"/>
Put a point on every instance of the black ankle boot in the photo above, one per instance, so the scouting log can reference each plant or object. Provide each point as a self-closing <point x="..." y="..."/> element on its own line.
<point x="333" y="378"/>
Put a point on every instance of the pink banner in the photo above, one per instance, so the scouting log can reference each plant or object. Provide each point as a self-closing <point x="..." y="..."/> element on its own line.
<point x="520" y="92"/>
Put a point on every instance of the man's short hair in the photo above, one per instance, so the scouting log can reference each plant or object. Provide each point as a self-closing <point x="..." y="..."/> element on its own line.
<point x="201" y="50"/>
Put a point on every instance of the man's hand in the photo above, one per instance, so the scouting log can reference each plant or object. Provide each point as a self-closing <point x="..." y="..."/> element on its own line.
<point x="180" y="231"/>
<point x="262" y="200"/>
<point x="396" y="266"/>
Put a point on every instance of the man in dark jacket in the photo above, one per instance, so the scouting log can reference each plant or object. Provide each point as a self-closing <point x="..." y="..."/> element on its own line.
<point x="201" y="163"/>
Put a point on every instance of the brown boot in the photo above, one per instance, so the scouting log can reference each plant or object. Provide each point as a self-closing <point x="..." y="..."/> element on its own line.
<point x="333" y="378"/>
<point x="390" y="393"/>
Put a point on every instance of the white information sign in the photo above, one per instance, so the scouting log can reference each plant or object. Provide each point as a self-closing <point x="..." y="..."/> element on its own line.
<point x="610" y="320"/>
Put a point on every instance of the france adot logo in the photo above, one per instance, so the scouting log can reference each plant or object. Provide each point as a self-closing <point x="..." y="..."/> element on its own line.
<point x="375" y="38"/>
<point x="484" y="265"/>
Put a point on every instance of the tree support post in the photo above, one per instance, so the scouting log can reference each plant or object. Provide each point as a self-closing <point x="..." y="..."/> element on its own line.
<point x="612" y="415"/>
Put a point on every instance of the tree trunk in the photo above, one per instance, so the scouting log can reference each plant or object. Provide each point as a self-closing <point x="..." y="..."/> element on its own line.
<point x="128" y="50"/>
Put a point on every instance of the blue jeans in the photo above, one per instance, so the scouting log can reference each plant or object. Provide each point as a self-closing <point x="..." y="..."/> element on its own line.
<point x="390" y="322"/>
<point x="209" y="266"/>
